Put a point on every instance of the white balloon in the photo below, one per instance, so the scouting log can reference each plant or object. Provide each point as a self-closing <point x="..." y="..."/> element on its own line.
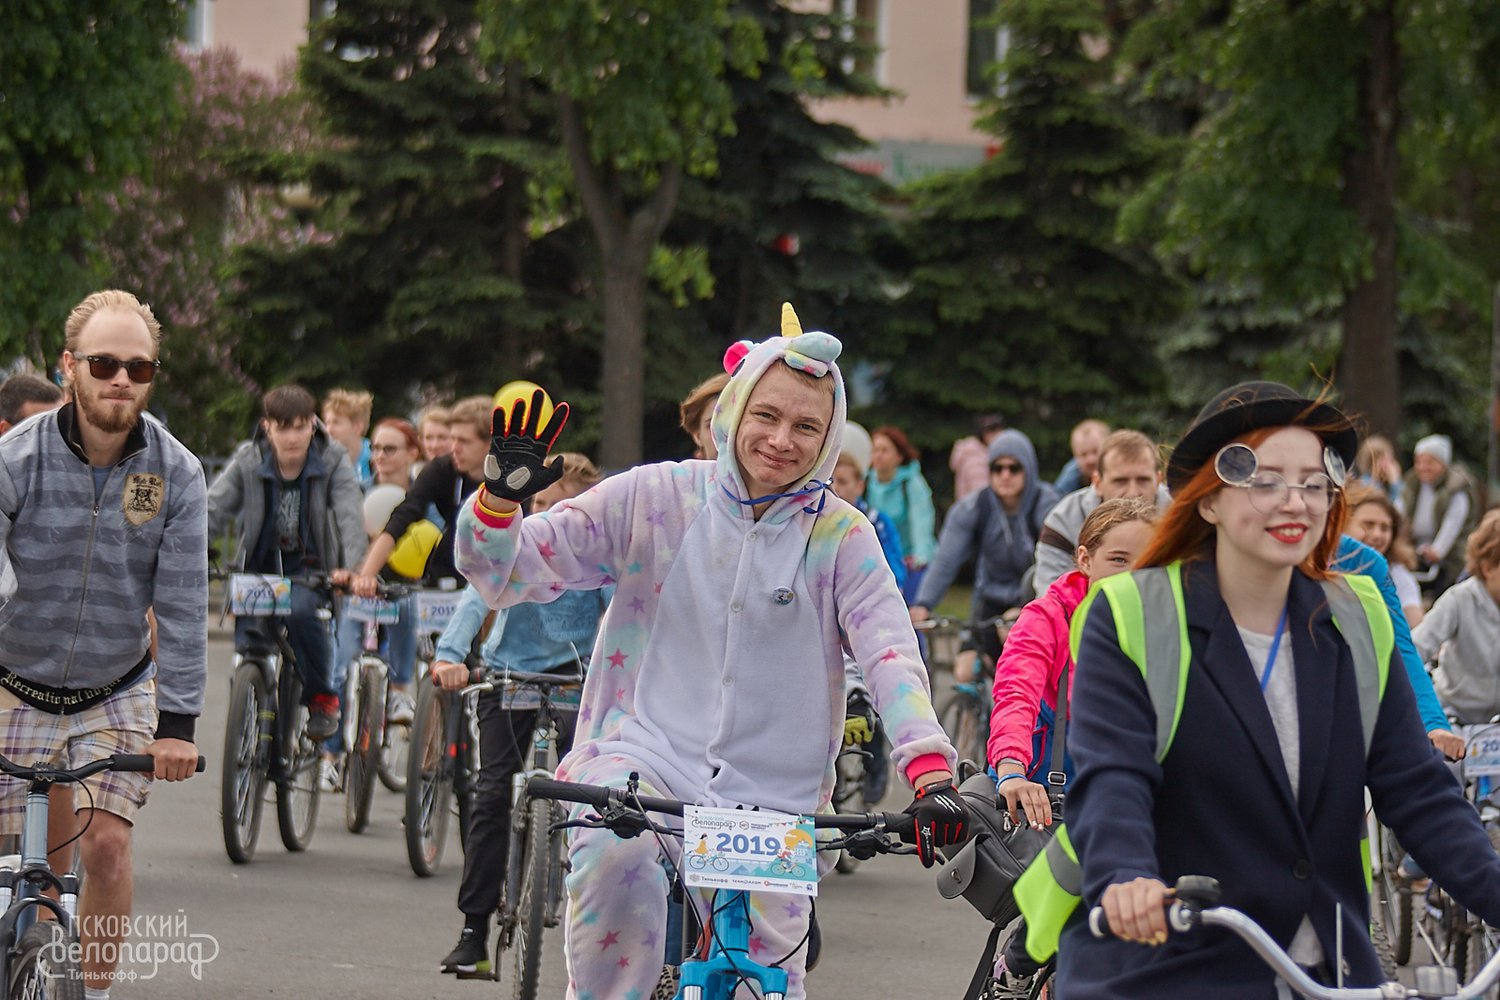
<point x="379" y="503"/>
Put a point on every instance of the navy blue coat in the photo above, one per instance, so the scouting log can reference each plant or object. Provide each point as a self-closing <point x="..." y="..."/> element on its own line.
<point x="1221" y="803"/>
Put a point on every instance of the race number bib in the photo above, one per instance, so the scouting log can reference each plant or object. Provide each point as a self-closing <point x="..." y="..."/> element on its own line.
<point x="435" y="609"/>
<point x="755" y="851"/>
<point x="1483" y="756"/>
<point x="373" y="609"/>
<point x="259" y="595"/>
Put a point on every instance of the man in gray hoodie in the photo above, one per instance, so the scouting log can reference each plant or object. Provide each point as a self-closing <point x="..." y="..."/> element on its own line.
<point x="102" y="518"/>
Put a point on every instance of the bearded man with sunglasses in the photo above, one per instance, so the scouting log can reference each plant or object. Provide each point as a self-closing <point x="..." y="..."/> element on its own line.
<point x="102" y="519"/>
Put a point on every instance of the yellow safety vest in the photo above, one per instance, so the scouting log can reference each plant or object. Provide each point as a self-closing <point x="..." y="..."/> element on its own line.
<point x="1151" y="623"/>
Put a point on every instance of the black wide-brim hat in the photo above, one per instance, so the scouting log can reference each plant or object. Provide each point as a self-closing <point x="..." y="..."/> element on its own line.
<point x="1250" y="406"/>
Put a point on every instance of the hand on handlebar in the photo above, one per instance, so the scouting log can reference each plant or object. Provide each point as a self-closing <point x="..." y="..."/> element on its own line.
<point x="448" y="675"/>
<point x="176" y="760"/>
<point x="941" y="819"/>
<point x="363" y="584"/>
<point x="919" y="613"/>
<point x="1136" y="910"/>
<point x="1450" y="745"/>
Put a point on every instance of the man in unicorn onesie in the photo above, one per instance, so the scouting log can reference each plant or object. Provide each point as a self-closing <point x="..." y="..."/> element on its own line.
<point x="717" y="674"/>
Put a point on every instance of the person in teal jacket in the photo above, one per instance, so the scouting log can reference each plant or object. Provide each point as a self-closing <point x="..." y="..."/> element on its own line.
<point x="895" y="488"/>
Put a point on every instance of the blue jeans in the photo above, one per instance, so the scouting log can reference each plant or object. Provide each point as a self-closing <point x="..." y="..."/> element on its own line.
<point x="308" y="636"/>
<point x="400" y="646"/>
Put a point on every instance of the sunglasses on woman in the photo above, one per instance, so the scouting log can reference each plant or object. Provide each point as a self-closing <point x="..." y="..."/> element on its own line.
<point x="104" y="367"/>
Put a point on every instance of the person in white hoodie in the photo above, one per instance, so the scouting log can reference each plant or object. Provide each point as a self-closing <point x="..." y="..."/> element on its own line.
<point x="719" y="674"/>
<point x="1462" y="632"/>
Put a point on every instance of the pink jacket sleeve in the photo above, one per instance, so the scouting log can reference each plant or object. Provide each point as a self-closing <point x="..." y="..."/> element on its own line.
<point x="1026" y="676"/>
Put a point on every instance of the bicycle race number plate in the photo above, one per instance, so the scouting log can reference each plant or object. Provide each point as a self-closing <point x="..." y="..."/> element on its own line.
<point x="259" y="595"/>
<point x="1483" y="756"/>
<point x="373" y="609"/>
<point x="755" y="851"/>
<point x="435" y="608"/>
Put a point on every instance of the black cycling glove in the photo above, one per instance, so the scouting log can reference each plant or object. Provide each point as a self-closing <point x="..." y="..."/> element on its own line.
<point x="941" y="819"/>
<point x="516" y="467"/>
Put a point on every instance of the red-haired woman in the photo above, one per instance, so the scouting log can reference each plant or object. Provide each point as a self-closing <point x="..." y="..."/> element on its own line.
<point x="1260" y="782"/>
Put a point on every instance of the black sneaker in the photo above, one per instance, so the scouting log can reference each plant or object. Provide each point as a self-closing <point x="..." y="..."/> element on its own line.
<point x="470" y="957"/>
<point x="322" y="717"/>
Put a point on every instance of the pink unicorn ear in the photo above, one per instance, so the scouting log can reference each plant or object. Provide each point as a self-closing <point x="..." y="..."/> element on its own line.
<point x="735" y="356"/>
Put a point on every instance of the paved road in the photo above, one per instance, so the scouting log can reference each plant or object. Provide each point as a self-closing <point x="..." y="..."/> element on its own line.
<point x="349" y="916"/>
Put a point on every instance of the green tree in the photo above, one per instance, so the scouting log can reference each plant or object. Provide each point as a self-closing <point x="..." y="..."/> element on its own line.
<point x="784" y="219"/>
<point x="416" y="272"/>
<point x="85" y="87"/>
<point x="1022" y="299"/>
<point x="641" y="100"/>
<point x="1295" y="178"/>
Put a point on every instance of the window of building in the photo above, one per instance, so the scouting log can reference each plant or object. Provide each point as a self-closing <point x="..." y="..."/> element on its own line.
<point x="987" y="45"/>
<point x="198" y="31"/>
<point x="866" y="25"/>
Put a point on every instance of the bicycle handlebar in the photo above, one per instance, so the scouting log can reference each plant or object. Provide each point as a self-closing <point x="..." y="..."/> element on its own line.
<point x="944" y="622"/>
<point x="119" y="762"/>
<point x="605" y="799"/>
<point x="1192" y="906"/>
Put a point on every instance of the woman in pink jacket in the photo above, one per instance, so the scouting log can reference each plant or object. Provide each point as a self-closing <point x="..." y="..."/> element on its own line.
<point x="1036" y="652"/>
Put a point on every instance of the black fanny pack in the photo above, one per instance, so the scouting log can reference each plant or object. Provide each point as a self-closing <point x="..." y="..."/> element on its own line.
<point x="68" y="701"/>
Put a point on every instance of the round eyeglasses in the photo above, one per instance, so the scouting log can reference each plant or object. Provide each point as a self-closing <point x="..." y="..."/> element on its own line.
<point x="1238" y="466"/>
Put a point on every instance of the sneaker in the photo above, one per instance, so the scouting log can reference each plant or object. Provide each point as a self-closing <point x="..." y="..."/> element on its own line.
<point x="470" y="957"/>
<point x="399" y="709"/>
<point x="330" y="775"/>
<point x="322" y="717"/>
<point x="1007" y="987"/>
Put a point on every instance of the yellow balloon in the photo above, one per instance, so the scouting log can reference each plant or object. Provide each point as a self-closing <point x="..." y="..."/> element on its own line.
<point x="508" y="393"/>
<point x="409" y="558"/>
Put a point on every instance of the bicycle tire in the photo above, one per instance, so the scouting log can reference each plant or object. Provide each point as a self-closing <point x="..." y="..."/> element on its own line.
<point x="364" y="752"/>
<point x="962" y="718"/>
<point x="298" y="790"/>
<point x="531" y="902"/>
<point x="1393" y="910"/>
<point x="557" y="869"/>
<point x="429" y="783"/>
<point x="242" y="782"/>
<point x="45" y="966"/>
<point x="1481" y="945"/>
<point x="395" y="751"/>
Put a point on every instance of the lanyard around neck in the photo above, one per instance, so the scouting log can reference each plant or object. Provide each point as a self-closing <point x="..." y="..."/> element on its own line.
<point x="1265" y="677"/>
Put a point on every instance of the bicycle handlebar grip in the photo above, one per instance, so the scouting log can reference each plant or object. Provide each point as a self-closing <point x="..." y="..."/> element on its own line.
<point x="136" y="762"/>
<point x="477" y="675"/>
<point x="202" y="764"/>
<point x="1098" y="923"/>
<point x="566" y="791"/>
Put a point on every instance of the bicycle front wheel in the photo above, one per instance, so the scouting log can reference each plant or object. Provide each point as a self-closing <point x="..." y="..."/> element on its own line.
<point x="297" y="791"/>
<point x="965" y="721"/>
<point x="242" y="786"/>
<point x="45" y="965"/>
<point x="364" y="754"/>
<point x="429" y="782"/>
<point x="531" y="902"/>
<point x="1393" y="908"/>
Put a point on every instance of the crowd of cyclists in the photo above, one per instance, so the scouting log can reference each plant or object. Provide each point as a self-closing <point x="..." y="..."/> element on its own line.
<point x="736" y="610"/>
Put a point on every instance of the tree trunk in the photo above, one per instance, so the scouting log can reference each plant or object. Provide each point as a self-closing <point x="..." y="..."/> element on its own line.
<point x="626" y="236"/>
<point x="623" y="377"/>
<point x="514" y="209"/>
<point x="1368" y="368"/>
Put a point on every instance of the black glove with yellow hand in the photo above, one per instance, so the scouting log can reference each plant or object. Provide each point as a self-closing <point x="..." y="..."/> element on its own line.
<point x="859" y="720"/>
<point x="516" y="467"/>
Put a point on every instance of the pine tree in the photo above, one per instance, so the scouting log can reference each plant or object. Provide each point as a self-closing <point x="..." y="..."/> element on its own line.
<point x="416" y="272"/>
<point x="1022" y="300"/>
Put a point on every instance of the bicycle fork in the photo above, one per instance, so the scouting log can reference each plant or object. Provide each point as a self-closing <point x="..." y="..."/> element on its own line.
<point x="719" y="975"/>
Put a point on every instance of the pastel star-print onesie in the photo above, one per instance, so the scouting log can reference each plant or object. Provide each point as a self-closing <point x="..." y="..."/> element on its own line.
<point x="705" y="678"/>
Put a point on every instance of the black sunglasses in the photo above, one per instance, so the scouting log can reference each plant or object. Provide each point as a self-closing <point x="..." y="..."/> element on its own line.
<point x="1011" y="467"/>
<point x="104" y="367"/>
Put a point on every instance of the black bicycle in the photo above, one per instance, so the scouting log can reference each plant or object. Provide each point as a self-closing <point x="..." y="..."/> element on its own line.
<point x="265" y="740"/>
<point x="440" y="771"/>
<point x="39" y="960"/>
<point x="532" y="897"/>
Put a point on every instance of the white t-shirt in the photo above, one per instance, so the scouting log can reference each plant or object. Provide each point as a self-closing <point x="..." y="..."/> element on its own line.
<point x="1281" y="699"/>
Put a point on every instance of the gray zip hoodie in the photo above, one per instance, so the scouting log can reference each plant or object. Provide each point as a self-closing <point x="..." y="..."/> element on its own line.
<point x="77" y="574"/>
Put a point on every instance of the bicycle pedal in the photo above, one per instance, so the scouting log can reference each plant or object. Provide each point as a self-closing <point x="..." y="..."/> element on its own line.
<point x="488" y="974"/>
